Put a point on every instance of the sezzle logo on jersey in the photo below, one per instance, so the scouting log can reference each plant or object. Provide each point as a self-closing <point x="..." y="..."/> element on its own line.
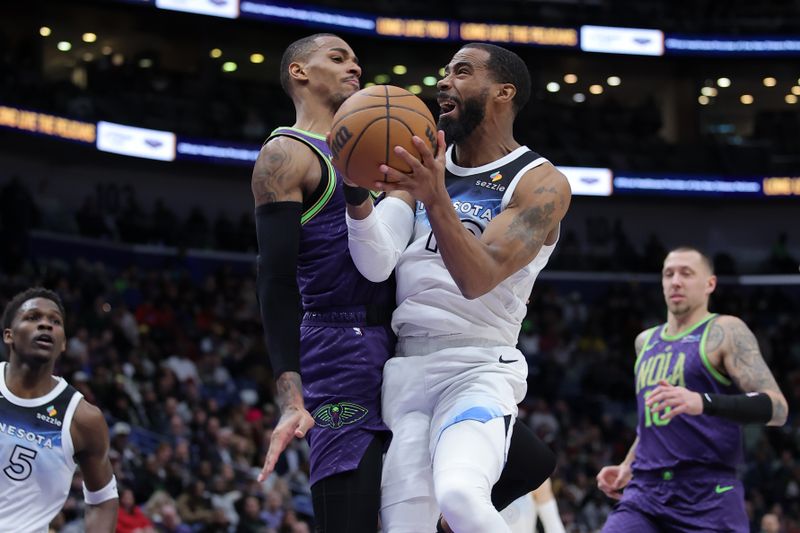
<point x="491" y="185"/>
<point x="48" y="419"/>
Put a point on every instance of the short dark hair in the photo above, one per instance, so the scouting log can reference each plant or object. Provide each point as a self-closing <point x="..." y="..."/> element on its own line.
<point x="297" y="51"/>
<point x="706" y="259"/>
<point x="507" y="67"/>
<point x="29" y="294"/>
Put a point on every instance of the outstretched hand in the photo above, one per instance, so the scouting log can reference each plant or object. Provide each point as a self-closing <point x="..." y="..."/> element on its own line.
<point x="671" y="401"/>
<point x="425" y="182"/>
<point x="612" y="479"/>
<point x="294" y="423"/>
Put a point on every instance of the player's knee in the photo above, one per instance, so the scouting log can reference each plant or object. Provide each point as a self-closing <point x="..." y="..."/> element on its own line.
<point x="458" y="497"/>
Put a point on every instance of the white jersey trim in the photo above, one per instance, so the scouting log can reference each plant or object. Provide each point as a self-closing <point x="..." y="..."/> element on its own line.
<point x="468" y="171"/>
<point x="30" y="402"/>
<point x="514" y="182"/>
<point x="66" y="433"/>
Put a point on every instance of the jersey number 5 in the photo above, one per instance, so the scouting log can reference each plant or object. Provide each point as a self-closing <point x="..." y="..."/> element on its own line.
<point x="20" y="467"/>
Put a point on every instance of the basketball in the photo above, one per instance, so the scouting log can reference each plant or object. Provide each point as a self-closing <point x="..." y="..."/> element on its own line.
<point x="368" y="126"/>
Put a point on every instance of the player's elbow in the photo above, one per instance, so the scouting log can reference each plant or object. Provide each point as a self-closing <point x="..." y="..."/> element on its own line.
<point x="376" y="267"/>
<point x="780" y="411"/>
<point x="473" y="289"/>
<point x="376" y="275"/>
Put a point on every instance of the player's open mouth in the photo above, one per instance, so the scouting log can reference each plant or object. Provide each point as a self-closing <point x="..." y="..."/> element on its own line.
<point x="446" y="106"/>
<point x="44" y="341"/>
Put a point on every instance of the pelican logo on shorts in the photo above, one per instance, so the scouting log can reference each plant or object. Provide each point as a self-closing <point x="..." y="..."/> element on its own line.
<point x="339" y="140"/>
<point x="336" y="415"/>
<point x="51" y="412"/>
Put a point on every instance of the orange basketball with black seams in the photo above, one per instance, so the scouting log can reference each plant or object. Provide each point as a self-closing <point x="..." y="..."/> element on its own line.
<point x="368" y="126"/>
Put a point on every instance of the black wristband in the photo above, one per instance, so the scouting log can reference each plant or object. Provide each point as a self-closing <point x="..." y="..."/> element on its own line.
<point x="750" y="408"/>
<point x="355" y="195"/>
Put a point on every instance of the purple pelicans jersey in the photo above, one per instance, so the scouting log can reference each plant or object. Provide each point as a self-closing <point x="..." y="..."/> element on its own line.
<point x="684" y="474"/>
<point x="345" y="337"/>
<point x="704" y="440"/>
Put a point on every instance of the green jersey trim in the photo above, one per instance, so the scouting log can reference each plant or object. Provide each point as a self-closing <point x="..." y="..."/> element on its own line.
<point x="645" y="347"/>
<point x="330" y="186"/>
<point x="711" y="370"/>
<point x="304" y="132"/>
<point x="690" y="329"/>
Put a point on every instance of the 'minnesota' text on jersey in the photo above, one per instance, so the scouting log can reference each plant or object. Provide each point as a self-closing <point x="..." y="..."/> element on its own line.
<point x="36" y="456"/>
<point x="431" y="303"/>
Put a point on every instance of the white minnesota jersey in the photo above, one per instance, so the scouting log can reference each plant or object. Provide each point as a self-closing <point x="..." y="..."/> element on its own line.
<point x="429" y="301"/>
<point x="36" y="456"/>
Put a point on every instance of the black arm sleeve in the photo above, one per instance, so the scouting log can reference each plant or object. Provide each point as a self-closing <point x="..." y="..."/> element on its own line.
<point x="750" y="408"/>
<point x="278" y="232"/>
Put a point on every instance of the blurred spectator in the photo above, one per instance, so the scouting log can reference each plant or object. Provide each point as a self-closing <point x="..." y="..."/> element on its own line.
<point x="171" y="521"/>
<point x="195" y="507"/>
<point x="130" y="518"/>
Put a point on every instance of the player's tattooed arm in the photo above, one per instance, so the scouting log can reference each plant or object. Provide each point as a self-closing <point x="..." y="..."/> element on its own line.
<point x="533" y="224"/>
<point x="289" y="391"/>
<point x="294" y="422"/>
<point x="743" y="362"/>
<point x="281" y="171"/>
<point x="511" y="240"/>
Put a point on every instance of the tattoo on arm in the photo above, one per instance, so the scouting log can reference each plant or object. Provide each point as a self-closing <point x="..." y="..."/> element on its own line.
<point x="270" y="175"/>
<point x="532" y="225"/>
<point x="715" y="337"/>
<point x="290" y="391"/>
<point x="747" y="367"/>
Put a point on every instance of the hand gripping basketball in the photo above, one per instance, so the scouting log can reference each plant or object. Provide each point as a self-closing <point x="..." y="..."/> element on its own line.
<point x="369" y="125"/>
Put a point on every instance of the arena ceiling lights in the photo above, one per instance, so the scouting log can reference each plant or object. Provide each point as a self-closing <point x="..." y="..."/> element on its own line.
<point x="588" y="38"/>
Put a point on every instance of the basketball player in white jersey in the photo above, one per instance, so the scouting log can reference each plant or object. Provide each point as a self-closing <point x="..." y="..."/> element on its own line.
<point x="483" y="225"/>
<point x="46" y="427"/>
<point x="522" y="515"/>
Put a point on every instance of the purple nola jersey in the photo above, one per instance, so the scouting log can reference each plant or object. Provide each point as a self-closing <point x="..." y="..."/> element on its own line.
<point x="326" y="275"/>
<point x="684" y="440"/>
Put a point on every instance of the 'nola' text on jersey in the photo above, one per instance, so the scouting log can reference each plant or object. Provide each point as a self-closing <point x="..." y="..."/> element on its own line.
<point x="23" y="434"/>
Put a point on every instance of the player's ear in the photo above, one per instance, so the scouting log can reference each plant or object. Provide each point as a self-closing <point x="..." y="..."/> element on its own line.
<point x="8" y="336"/>
<point x="297" y="71"/>
<point x="712" y="284"/>
<point x="505" y="92"/>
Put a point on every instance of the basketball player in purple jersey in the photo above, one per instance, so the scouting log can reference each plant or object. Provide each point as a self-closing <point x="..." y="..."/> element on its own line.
<point x="343" y="339"/>
<point x="699" y="377"/>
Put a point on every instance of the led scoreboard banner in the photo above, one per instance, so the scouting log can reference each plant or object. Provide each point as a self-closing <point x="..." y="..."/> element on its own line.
<point x="47" y="125"/>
